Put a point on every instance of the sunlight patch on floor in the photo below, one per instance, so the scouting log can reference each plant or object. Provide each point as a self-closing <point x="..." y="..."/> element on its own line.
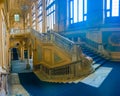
<point x="15" y="88"/>
<point x="97" y="78"/>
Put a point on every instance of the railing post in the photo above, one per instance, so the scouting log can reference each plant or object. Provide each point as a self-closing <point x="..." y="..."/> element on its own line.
<point x="74" y="53"/>
<point x="52" y="37"/>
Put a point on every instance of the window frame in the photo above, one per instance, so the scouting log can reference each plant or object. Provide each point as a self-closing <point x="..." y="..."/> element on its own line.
<point x="72" y="18"/>
<point x="40" y="15"/>
<point x="33" y="16"/>
<point x="109" y="9"/>
<point x="50" y="9"/>
<point x="16" y="17"/>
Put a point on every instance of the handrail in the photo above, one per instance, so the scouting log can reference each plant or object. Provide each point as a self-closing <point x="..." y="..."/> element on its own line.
<point x="63" y="37"/>
<point x="63" y="42"/>
<point x="41" y="36"/>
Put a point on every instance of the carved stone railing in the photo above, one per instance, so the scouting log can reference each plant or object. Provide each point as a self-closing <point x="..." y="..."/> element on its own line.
<point x="42" y="36"/>
<point x="69" y="71"/>
<point x="64" y="43"/>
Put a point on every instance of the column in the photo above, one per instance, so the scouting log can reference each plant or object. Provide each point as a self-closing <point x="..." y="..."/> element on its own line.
<point x="9" y="59"/>
<point x="22" y="53"/>
<point x="28" y="64"/>
<point x="0" y="36"/>
<point x="74" y="55"/>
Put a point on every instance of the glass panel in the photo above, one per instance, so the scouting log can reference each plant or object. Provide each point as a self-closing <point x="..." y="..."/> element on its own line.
<point x="71" y="9"/>
<point x="47" y="23"/>
<point x="108" y="14"/>
<point x="85" y="6"/>
<point x="78" y="11"/>
<point x="75" y="11"/>
<point x="16" y="17"/>
<point x="108" y="4"/>
<point x="85" y="18"/>
<point x="50" y="16"/>
<point x="33" y="17"/>
<point x="71" y="21"/>
<point x="115" y="7"/>
<point x="81" y="10"/>
<point x="52" y="20"/>
<point x="54" y="17"/>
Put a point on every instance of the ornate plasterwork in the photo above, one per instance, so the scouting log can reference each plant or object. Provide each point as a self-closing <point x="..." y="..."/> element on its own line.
<point x="114" y="39"/>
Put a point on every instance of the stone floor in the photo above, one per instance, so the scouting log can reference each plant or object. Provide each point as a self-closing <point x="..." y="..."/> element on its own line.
<point x="15" y="88"/>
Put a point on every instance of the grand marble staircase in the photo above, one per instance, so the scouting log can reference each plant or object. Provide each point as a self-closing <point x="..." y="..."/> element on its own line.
<point x="58" y="58"/>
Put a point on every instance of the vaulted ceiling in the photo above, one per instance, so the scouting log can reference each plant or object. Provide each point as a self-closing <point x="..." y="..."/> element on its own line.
<point x="17" y="6"/>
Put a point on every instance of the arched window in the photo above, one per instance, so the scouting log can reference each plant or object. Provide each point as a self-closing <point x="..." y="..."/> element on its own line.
<point x="78" y="11"/>
<point x="16" y="17"/>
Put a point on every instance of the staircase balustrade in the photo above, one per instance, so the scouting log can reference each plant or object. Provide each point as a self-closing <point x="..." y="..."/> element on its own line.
<point x="42" y="36"/>
<point x="64" y="43"/>
<point x="67" y="45"/>
<point x="68" y="71"/>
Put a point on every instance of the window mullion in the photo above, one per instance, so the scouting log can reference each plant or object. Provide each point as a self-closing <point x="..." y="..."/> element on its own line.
<point x="78" y="11"/>
<point x="110" y="8"/>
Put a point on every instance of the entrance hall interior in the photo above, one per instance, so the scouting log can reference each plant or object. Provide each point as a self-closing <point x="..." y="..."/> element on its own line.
<point x="59" y="47"/>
